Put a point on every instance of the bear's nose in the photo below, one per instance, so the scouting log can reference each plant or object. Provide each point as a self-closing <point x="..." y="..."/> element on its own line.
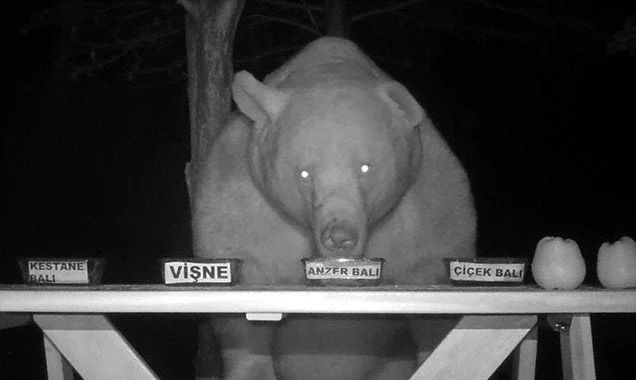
<point x="339" y="236"/>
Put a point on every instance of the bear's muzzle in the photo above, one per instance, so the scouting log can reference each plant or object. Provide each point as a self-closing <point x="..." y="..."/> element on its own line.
<point x="339" y="237"/>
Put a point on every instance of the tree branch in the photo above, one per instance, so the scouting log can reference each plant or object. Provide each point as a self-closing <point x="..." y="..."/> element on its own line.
<point x="79" y="70"/>
<point x="264" y="19"/>
<point x="375" y="12"/>
<point x="268" y="53"/>
<point x="161" y="69"/>
<point x="287" y="4"/>
<point x="311" y="15"/>
<point x="189" y="7"/>
<point x="536" y="17"/>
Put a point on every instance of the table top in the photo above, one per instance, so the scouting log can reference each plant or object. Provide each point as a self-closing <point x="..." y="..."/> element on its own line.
<point x="439" y="299"/>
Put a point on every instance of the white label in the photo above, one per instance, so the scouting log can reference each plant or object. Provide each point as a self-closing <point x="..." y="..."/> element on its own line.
<point x="58" y="272"/>
<point x="326" y="271"/>
<point x="187" y="272"/>
<point x="466" y="271"/>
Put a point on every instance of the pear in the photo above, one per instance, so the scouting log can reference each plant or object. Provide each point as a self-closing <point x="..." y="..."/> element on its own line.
<point x="558" y="264"/>
<point x="616" y="264"/>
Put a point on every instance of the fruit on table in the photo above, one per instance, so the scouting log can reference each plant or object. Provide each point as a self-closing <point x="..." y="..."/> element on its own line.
<point x="558" y="264"/>
<point x="616" y="264"/>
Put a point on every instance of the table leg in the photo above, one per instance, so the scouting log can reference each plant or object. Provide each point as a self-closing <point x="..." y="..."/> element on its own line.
<point x="93" y="346"/>
<point x="577" y="351"/>
<point x="525" y="357"/>
<point x="57" y="367"/>
<point x="476" y="347"/>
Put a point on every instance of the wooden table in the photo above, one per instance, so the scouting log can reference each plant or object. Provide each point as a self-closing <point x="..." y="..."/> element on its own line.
<point x="495" y="321"/>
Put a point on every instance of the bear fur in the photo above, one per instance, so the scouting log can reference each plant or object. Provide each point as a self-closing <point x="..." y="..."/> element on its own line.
<point x="329" y="156"/>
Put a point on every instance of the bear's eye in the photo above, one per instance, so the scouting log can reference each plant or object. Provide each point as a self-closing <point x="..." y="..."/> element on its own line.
<point x="364" y="168"/>
<point x="304" y="174"/>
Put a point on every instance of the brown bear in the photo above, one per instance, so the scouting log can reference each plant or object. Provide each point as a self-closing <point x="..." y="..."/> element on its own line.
<point x="329" y="156"/>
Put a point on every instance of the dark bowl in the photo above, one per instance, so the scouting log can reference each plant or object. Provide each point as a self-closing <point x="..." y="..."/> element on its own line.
<point x="486" y="271"/>
<point x="342" y="271"/>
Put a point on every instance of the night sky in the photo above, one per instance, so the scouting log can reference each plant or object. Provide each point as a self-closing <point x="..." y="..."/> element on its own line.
<point x="535" y="98"/>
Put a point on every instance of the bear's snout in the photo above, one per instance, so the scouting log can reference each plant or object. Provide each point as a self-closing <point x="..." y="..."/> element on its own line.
<point x="339" y="236"/>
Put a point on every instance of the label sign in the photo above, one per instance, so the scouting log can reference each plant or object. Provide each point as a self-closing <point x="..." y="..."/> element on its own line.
<point x="350" y="271"/>
<point x="58" y="272"/>
<point x="488" y="272"/>
<point x="187" y="272"/>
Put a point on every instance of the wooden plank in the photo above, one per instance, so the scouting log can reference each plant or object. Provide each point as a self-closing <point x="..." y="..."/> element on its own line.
<point x="525" y="357"/>
<point x="439" y="300"/>
<point x="475" y="347"/>
<point x="577" y="350"/>
<point x="264" y="317"/>
<point x="57" y="367"/>
<point x="93" y="347"/>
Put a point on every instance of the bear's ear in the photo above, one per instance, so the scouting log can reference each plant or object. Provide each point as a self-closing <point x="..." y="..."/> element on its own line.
<point x="257" y="100"/>
<point x="403" y="105"/>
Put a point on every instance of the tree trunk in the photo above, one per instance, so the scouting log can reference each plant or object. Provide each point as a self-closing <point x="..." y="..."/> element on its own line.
<point x="337" y="20"/>
<point x="210" y="28"/>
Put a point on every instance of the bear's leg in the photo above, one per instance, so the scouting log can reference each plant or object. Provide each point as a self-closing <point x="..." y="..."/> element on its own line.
<point x="428" y="331"/>
<point x="208" y="364"/>
<point x="244" y="348"/>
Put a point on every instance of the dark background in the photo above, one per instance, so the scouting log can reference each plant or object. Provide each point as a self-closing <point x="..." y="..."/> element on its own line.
<point x="534" y="98"/>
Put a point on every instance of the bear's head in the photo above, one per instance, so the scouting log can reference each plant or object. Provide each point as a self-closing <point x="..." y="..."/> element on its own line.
<point x="334" y="157"/>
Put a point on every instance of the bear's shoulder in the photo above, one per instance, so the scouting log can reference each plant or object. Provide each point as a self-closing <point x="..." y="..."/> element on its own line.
<point x="326" y="59"/>
<point x="227" y="158"/>
<point x="332" y="47"/>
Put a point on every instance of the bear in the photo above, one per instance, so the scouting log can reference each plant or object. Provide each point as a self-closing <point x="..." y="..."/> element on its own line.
<point x="328" y="157"/>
